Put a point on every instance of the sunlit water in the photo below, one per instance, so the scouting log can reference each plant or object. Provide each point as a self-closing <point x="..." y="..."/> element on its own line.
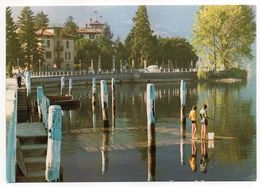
<point x="90" y="153"/>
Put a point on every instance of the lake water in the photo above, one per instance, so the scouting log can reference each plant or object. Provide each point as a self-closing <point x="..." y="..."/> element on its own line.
<point x="91" y="153"/>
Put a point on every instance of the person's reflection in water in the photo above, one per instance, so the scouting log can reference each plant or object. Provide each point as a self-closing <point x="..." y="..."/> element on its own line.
<point x="104" y="150"/>
<point x="204" y="157"/>
<point x="193" y="157"/>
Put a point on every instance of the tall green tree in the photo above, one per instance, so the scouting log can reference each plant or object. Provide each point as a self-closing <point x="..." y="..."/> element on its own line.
<point x="12" y="42"/>
<point x="107" y="31"/>
<point x="85" y="51"/>
<point x="31" y="49"/>
<point x="142" y="36"/>
<point x="70" y="27"/>
<point x="223" y="35"/>
<point x="41" y="20"/>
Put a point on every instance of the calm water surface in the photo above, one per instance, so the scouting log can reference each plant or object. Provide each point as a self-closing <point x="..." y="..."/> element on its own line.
<point x="92" y="153"/>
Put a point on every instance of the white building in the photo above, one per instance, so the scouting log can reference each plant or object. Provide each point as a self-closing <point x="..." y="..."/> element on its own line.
<point x="59" y="48"/>
<point x="93" y="30"/>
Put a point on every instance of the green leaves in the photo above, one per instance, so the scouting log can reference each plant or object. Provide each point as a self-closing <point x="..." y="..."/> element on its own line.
<point x="224" y="34"/>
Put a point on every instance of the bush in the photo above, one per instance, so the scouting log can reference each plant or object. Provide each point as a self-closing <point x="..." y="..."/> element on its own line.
<point x="202" y="74"/>
<point x="236" y="73"/>
<point x="9" y="70"/>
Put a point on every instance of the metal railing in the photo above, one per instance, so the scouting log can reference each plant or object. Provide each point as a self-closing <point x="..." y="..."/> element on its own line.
<point x="124" y="71"/>
<point x="11" y="147"/>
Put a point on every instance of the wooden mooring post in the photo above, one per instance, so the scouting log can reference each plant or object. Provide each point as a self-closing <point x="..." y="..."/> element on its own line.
<point x="94" y="95"/>
<point x="39" y="100"/>
<point x="53" y="158"/>
<point x="113" y="88"/>
<point x="104" y="102"/>
<point x="183" y="104"/>
<point x="150" y="107"/>
<point x="62" y="84"/>
<point x="70" y="86"/>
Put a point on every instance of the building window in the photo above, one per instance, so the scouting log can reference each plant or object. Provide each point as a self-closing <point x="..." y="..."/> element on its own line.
<point x="48" y="54"/>
<point x="48" y="43"/>
<point x="67" y="44"/>
<point x="67" y="55"/>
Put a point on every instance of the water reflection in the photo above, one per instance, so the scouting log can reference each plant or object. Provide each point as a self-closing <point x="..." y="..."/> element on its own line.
<point x="193" y="156"/>
<point x="204" y="157"/>
<point x="104" y="150"/>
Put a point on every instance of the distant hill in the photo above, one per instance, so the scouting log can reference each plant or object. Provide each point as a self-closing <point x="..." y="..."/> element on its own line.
<point x="165" y="20"/>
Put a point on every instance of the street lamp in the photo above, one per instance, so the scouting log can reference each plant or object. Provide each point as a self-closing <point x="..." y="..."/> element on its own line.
<point x="39" y="65"/>
<point x="80" y="64"/>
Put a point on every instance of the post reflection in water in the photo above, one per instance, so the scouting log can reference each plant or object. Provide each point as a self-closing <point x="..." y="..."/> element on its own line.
<point x="183" y="136"/>
<point x="193" y="156"/>
<point x="104" y="150"/>
<point x="204" y="157"/>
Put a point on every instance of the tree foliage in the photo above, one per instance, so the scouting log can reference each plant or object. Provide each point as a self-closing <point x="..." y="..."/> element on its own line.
<point x="41" y="20"/>
<point x="12" y="42"/>
<point x="223" y="35"/>
<point x="70" y="27"/>
<point x="31" y="50"/>
<point x="141" y="38"/>
<point x="85" y="51"/>
<point x="177" y="51"/>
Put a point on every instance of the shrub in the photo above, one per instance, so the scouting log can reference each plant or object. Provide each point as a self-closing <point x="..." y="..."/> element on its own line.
<point x="202" y="74"/>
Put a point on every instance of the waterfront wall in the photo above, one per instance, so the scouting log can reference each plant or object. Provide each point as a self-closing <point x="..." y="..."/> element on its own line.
<point x="83" y="79"/>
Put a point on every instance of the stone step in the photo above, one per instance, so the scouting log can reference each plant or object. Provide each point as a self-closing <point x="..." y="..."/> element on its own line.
<point x="35" y="163"/>
<point x="33" y="176"/>
<point x="30" y="150"/>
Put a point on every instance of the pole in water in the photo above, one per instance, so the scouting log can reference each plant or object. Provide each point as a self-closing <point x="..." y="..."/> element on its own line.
<point x="150" y="108"/>
<point x="52" y="172"/>
<point x="39" y="100"/>
<point x="62" y="84"/>
<point x="183" y="104"/>
<point x="94" y="92"/>
<point x="104" y="102"/>
<point x="70" y="86"/>
<point x="113" y="88"/>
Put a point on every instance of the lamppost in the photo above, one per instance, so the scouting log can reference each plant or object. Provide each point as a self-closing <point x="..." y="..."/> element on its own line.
<point x="17" y="62"/>
<point x="113" y="60"/>
<point x="39" y="65"/>
<point x="80" y="64"/>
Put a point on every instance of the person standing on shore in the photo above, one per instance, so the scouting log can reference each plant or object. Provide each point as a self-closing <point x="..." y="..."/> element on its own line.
<point x="193" y="118"/>
<point x="204" y="121"/>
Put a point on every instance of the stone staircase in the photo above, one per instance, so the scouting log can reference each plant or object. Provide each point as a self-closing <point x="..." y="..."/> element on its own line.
<point x="22" y="107"/>
<point x="31" y="152"/>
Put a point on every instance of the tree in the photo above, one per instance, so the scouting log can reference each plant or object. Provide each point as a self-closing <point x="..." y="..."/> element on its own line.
<point x="41" y="20"/>
<point x="142" y="36"/>
<point x="223" y="35"/>
<point x="86" y="50"/>
<point x="70" y="27"/>
<point x="12" y="42"/>
<point x="177" y="51"/>
<point x="31" y="49"/>
<point x="107" y="31"/>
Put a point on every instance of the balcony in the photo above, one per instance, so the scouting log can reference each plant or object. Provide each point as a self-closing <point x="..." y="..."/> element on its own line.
<point x="59" y="48"/>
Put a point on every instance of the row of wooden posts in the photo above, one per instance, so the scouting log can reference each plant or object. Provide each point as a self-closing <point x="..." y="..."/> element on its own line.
<point x="55" y="121"/>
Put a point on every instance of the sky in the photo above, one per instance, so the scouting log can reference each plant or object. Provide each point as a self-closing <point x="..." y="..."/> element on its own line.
<point x="165" y="20"/>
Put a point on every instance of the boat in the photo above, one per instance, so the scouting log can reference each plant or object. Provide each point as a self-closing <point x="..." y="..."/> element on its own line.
<point x="66" y="102"/>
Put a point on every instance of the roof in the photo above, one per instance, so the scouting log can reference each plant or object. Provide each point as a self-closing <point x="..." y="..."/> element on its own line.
<point x="96" y="23"/>
<point x="44" y="32"/>
<point x="89" y="30"/>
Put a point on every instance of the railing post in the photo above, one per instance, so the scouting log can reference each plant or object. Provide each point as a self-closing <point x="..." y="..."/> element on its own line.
<point x="52" y="173"/>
